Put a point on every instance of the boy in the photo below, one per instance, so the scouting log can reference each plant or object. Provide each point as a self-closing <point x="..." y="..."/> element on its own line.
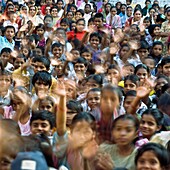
<point x="165" y="64"/>
<point x="64" y="23"/>
<point x="7" y="40"/>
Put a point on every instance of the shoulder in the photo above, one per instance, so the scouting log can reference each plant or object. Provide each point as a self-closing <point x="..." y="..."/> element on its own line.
<point x="107" y="147"/>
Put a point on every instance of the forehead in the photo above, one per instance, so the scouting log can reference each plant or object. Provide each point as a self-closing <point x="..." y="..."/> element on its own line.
<point x="98" y="19"/>
<point x="9" y="29"/>
<point x="39" y="121"/>
<point x="94" y="93"/>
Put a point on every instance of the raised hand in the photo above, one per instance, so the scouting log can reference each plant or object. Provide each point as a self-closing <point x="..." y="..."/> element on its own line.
<point x="134" y="44"/>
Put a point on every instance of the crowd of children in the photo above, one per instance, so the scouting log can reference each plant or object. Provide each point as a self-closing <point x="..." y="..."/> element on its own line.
<point x="85" y="85"/>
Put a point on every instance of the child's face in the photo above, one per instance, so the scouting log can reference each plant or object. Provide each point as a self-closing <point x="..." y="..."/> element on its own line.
<point x="82" y="133"/>
<point x="93" y="99"/>
<point x="160" y="83"/>
<point x="76" y="53"/>
<point x="87" y="56"/>
<point x="98" y="22"/>
<point x="113" y="11"/>
<point x="168" y="16"/>
<point x="134" y="29"/>
<point x="39" y="66"/>
<point x="73" y="26"/>
<point x="72" y="9"/>
<point x="5" y="57"/>
<point x="70" y="15"/>
<point x="150" y="63"/>
<point x="40" y="31"/>
<point x="46" y="105"/>
<point x="78" y="15"/>
<point x="124" y="132"/>
<point x="70" y="116"/>
<point x="166" y="70"/>
<point x="60" y="5"/>
<point x="9" y="33"/>
<point x="148" y="126"/>
<point x="123" y="51"/>
<point x="5" y="82"/>
<point x="142" y="74"/>
<point x="80" y="26"/>
<point x="129" y="86"/>
<point x="57" y="52"/>
<point x="127" y="103"/>
<point x="41" y="87"/>
<point x="94" y="42"/>
<point x="143" y="53"/>
<point x="79" y="68"/>
<point x="148" y="160"/>
<point x="113" y="73"/>
<point x="146" y="23"/>
<point x="91" y="84"/>
<point x="157" y="31"/>
<point x="18" y="62"/>
<point x="40" y="127"/>
<point x="127" y="70"/>
<point x="59" y="69"/>
<point x="38" y="52"/>
<point x="109" y="102"/>
<point x="87" y="9"/>
<point x="70" y="92"/>
<point x="64" y="26"/>
<point x="157" y="50"/>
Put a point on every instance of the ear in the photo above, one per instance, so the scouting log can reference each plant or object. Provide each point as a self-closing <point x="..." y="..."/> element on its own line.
<point x="159" y="128"/>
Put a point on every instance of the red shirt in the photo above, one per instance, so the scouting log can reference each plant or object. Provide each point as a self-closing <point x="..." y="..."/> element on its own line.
<point x="71" y="35"/>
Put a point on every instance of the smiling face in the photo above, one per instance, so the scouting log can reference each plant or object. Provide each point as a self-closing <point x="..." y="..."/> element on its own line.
<point x="93" y="99"/>
<point x="148" y="126"/>
<point x="9" y="34"/>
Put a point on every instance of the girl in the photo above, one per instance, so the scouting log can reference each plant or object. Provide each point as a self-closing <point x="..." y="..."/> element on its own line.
<point x="152" y="156"/>
<point x="113" y="19"/>
<point x="79" y="32"/>
<point x="142" y="71"/>
<point x="147" y="22"/>
<point x="155" y="31"/>
<point x="113" y="74"/>
<point x="122" y="153"/>
<point x="157" y="50"/>
<point x="151" y="122"/>
<point x="54" y="14"/>
<point x="131" y="82"/>
<point x="107" y="111"/>
<point x="40" y="29"/>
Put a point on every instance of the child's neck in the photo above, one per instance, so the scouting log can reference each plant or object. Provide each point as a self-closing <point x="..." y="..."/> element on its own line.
<point x="125" y="150"/>
<point x="3" y="93"/>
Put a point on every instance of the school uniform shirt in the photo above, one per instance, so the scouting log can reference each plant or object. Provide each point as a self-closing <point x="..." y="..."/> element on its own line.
<point x="115" y="22"/>
<point x="5" y="43"/>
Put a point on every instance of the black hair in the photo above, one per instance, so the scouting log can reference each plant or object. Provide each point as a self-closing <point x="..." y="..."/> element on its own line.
<point x="48" y="16"/>
<point x="84" y="50"/>
<point x="148" y="19"/>
<point x="94" y="90"/>
<point x="130" y="93"/>
<point x="81" y="19"/>
<point x="99" y="15"/>
<point x="43" y="115"/>
<point x="56" y="44"/>
<point x="127" y="117"/>
<point x="42" y="59"/>
<point x="123" y="5"/>
<point x="40" y="26"/>
<point x="165" y="60"/>
<point x="159" y="151"/>
<point x="151" y="9"/>
<point x="157" y="43"/>
<point x="156" y="114"/>
<point x="9" y="27"/>
<point x="137" y="27"/>
<point x="144" y="45"/>
<point x="42" y="76"/>
<point x="81" y="12"/>
<point x="147" y="1"/>
<point x="112" y="7"/>
<point x="65" y="21"/>
<point x="113" y="66"/>
<point x="151" y="58"/>
<point x="81" y="60"/>
<point x="86" y="116"/>
<point x="87" y="5"/>
<point x="53" y="7"/>
<point x="73" y="5"/>
<point x="139" y="66"/>
<point x="5" y="50"/>
<point x="161" y="18"/>
<point x="112" y="89"/>
<point x="137" y="9"/>
<point x="152" y="27"/>
<point x="59" y="1"/>
<point x="97" y="78"/>
<point x="74" y="106"/>
<point x="96" y="34"/>
<point x="133" y="78"/>
<point x="90" y="20"/>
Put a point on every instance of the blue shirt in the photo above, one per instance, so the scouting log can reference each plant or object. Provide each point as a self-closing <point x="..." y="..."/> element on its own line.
<point x="5" y="43"/>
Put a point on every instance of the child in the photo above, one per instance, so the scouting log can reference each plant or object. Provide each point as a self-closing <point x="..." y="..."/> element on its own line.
<point x="93" y="98"/>
<point x="142" y="71"/>
<point x="155" y="31"/>
<point x="85" y="53"/>
<point x="165" y="65"/>
<point x="5" y="58"/>
<point x="7" y="40"/>
<point x="64" y="23"/>
<point x="42" y="122"/>
<point x="107" y="111"/>
<point x="150" y="153"/>
<point x="122" y="153"/>
<point x="150" y="62"/>
<point x="151" y="122"/>
<point x="112" y="19"/>
<point x="131" y="82"/>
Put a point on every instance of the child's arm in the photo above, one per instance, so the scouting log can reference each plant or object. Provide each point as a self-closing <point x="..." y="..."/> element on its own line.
<point x="61" y="110"/>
